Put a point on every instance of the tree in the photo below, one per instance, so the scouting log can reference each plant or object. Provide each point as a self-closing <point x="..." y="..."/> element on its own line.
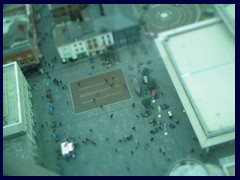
<point x="151" y="85"/>
<point x="145" y="72"/>
<point x="146" y="102"/>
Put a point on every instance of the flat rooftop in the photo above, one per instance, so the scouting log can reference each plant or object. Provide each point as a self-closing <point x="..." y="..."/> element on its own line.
<point x="203" y="58"/>
<point x="11" y="120"/>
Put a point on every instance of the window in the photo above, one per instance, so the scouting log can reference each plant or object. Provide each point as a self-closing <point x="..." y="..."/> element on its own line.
<point x="104" y="43"/>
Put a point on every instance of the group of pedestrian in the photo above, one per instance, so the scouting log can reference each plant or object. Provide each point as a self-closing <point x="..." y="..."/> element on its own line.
<point x="59" y="83"/>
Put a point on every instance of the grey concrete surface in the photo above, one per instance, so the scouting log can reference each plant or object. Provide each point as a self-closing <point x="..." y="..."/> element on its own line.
<point x="102" y="158"/>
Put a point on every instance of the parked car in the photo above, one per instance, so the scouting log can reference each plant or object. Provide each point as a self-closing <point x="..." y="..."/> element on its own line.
<point x="164" y="106"/>
<point x="154" y="131"/>
<point x="146" y="114"/>
<point x="170" y="114"/>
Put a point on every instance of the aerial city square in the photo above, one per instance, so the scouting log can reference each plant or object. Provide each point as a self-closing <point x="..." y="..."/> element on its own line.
<point x="119" y="90"/>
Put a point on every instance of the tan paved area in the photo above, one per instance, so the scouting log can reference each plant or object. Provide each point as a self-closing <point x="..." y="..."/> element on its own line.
<point x="99" y="90"/>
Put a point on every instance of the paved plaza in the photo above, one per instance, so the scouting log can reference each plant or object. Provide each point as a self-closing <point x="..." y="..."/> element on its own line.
<point x="114" y="139"/>
<point x="99" y="91"/>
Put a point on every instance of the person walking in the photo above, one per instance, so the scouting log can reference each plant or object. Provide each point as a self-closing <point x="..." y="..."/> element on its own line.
<point x="111" y="116"/>
<point x="60" y="124"/>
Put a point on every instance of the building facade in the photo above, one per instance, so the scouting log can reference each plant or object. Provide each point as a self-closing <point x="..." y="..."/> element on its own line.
<point x="72" y="46"/>
<point x="18" y="119"/>
<point x="19" y="37"/>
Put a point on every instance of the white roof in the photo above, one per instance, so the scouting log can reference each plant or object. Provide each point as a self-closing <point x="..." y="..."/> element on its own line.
<point x="11" y="102"/>
<point x="66" y="148"/>
<point x="204" y="63"/>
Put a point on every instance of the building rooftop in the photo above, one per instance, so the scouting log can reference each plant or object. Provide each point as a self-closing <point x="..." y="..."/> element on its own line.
<point x="117" y="18"/>
<point x="228" y="165"/>
<point x="7" y="7"/>
<point x="55" y="6"/>
<point x="12" y="123"/>
<point x="16" y="34"/>
<point x="227" y="13"/>
<point x="202" y="57"/>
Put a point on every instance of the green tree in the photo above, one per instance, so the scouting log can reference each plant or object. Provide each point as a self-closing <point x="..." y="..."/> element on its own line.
<point x="151" y="85"/>
<point x="145" y="72"/>
<point x="146" y="102"/>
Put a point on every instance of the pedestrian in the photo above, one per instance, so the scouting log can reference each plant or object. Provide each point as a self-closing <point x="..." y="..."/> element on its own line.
<point x="78" y="83"/>
<point x="177" y="122"/>
<point x="113" y="78"/>
<point x="42" y="97"/>
<point x="152" y="139"/>
<point x="192" y="150"/>
<point x="101" y="106"/>
<point x="133" y="105"/>
<point x="111" y="116"/>
<point x="106" y="139"/>
<point x="164" y="153"/>
<point x="106" y="80"/>
<point x="132" y="152"/>
<point x="67" y="102"/>
<point x="94" y="100"/>
<point x="46" y="123"/>
<point x="42" y="126"/>
<point x="90" y="130"/>
<point x="137" y="116"/>
<point x="133" y="128"/>
<point x="160" y="150"/>
<point x="116" y="150"/>
<point x="60" y="124"/>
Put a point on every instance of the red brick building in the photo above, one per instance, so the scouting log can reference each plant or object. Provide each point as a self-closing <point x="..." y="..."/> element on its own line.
<point x="19" y="36"/>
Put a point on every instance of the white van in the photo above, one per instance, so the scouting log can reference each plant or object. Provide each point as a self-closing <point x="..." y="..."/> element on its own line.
<point x="145" y="79"/>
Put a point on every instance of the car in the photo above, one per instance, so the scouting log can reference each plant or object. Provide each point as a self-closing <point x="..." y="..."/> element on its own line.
<point x="152" y="121"/>
<point x="170" y="114"/>
<point x="164" y="106"/>
<point x="154" y="131"/>
<point x="146" y="114"/>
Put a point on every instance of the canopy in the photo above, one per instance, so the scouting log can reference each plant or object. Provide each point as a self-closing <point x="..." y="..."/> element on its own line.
<point x="67" y="148"/>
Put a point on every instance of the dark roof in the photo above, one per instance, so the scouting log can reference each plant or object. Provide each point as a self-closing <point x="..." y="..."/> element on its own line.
<point x="117" y="17"/>
<point x="17" y="31"/>
<point x="17" y="49"/>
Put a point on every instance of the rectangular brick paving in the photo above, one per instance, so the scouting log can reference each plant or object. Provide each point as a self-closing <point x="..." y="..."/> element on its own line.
<point x="99" y="90"/>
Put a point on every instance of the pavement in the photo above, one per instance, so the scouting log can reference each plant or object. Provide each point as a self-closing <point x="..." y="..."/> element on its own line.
<point x="98" y="91"/>
<point x="139" y="156"/>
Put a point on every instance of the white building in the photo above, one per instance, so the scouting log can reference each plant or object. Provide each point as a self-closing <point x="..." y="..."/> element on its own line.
<point x="18" y="132"/>
<point x="71" y="45"/>
<point x="200" y="59"/>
